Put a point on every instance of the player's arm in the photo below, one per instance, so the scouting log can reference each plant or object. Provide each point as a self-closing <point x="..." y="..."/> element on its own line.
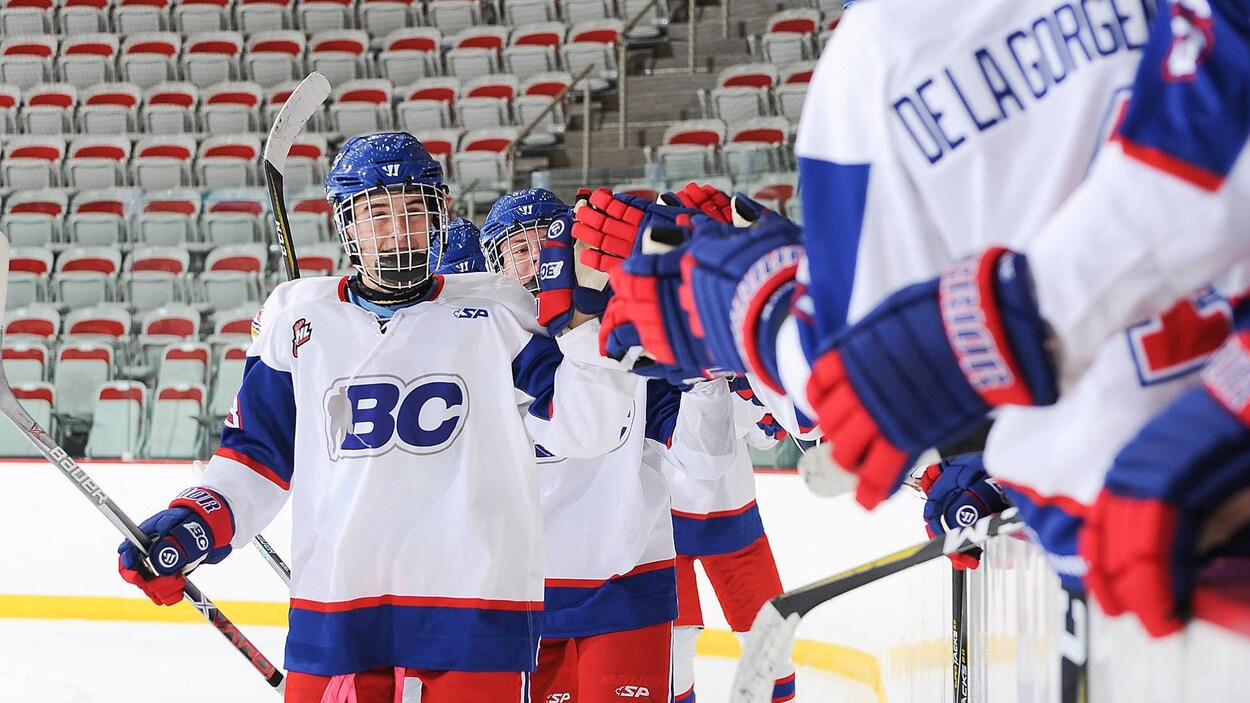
<point x="577" y="402"/>
<point x="1163" y="211"/>
<point x="244" y="486"/>
<point x="693" y="425"/>
<point x="252" y="468"/>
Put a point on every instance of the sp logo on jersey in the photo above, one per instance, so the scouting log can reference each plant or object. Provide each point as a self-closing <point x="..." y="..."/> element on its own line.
<point x="374" y="415"/>
<point x="470" y="313"/>
<point x="301" y="332"/>
<point x="633" y="692"/>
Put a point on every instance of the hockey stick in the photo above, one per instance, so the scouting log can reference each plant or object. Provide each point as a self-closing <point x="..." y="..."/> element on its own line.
<point x="267" y="552"/>
<point x="57" y="456"/>
<point x="305" y="100"/>
<point x="777" y="621"/>
<point x="959" y="634"/>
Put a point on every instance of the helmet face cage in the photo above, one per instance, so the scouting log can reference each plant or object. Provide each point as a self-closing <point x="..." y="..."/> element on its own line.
<point x="387" y="233"/>
<point x="515" y="253"/>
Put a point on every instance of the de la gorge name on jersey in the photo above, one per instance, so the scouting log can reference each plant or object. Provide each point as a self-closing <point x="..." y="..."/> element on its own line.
<point x="999" y="80"/>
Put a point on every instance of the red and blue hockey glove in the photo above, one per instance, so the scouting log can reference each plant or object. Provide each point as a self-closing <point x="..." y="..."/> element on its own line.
<point x="564" y="286"/>
<point x="196" y="528"/>
<point x="705" y="198"/>
<point x="645" y="311"/>
<point x="1170" y="498"/>
<point x="738" y="285"/>
<point x="609" y="226"/>
<point x="960" y="492"/>
<point x="739" y="210"/>
<point x="926" y="364"/>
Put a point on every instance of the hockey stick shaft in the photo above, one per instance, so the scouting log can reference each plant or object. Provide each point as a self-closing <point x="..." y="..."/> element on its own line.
<point x="803" y="600"/>
<point x="299" y="107"/>
<point x="267" y="552"/>
<point x="959" y="634"/>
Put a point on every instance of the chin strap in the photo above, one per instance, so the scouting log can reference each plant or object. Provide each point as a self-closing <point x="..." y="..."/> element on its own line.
<point x="390" y="298"/>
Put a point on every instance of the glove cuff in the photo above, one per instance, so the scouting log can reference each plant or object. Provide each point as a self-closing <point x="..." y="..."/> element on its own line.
<point x="761" y="303"/>
<point x="213" y="511"/>
<point x="995" y="329"/>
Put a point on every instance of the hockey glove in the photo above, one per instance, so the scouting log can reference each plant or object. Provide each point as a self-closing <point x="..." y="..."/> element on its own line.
<point x="1172" y="496"/>
<point x="738" y="284"/>
<point x="564" y="285"/>
<point x="960" y="493"/>
<point x="926" y="364"/>
<point x="609" y="226"/>
<point x="646" y="311"/>
<point x="704" y="198"/>
<point x="196" y="528"/>
<point x="740" y="211"/>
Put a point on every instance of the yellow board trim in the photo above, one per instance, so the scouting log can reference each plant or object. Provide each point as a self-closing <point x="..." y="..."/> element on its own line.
<point x="836" y="659"/>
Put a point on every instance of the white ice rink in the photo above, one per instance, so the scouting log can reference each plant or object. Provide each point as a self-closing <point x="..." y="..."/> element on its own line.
<point x="77" y="661"/>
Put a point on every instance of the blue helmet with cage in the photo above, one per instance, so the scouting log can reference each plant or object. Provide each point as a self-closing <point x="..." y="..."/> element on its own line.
<point x="463" y="251"/>
<point x="512" y="235"/>
<point x="389" y="205"/>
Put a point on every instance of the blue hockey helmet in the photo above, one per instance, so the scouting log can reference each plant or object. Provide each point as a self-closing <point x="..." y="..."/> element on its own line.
<point x="463" y="251"/>
<point x="514" y="229"/>
<point x="389" y="205"/>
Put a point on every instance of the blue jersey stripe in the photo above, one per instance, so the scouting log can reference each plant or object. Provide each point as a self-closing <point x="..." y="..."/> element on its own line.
<point x="834" y="199"/>
<point x="624" y="603"/>
<point x="717" y="534"/>
<point x="265" y="431"/>
<point x="663" y="405"/>
<point x="1189" y="114"/>
<point x="534" y="373"/>
<point x="417" y="637"/>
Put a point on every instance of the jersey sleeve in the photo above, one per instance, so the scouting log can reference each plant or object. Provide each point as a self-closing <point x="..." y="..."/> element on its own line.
<point x="694" y="427"/>
<point x="577" y="403"/>
<point x="1164" y="208"/>
<point x="866" y="229"/>
<point x="253" y="467"/>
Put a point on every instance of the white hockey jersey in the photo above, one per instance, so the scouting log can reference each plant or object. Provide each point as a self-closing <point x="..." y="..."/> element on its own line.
<point x="970" y="128"/>
<point x="718" y="515"/>
<point x="609" y="536"/>
<point x="408" y="453"/>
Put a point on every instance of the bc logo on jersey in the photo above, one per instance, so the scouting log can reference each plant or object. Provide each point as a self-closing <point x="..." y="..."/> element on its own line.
<point x="373" y="415"/>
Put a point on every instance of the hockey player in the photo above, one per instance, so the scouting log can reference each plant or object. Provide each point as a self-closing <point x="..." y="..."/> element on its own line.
<point x="717" y="523"/>
<point x="896" y="200"/>
<point x="929" y="360"/>
<point x="611" y="594"/>
<point x="398" y="410"/>
<point x="464" y="252"/>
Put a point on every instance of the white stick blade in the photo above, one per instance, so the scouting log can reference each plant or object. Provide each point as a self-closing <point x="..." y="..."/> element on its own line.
<point x="305" y="100"/>
<point x="769" y="641"/>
